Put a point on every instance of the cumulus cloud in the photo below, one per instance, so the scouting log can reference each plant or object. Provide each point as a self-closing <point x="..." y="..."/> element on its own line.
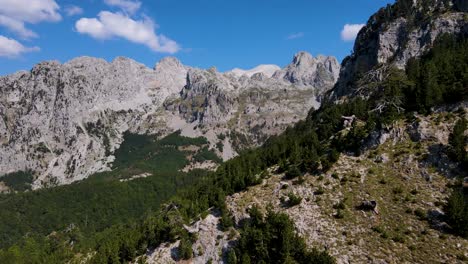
<point x="128" y="6"/>
<point x="108" y="25"/>
<point x="15" y="13"/>
<point x="11" y="48"/>
<point x="73" y="10"/>
<point x="295" y="35"/>
<point x="350" y="31"/>
<point x="16" y="26"/>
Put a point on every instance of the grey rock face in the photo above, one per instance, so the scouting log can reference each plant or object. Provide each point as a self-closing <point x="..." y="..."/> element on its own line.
<point x="64" y="121"/>
<point x="248" y="106"/>
<point x="394" y="40"/>
<point x="306" y="70"/>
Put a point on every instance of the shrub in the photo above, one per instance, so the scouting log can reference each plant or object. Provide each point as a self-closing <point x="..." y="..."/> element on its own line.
<point x="378" y="229"/>
<point x="231" y="257"/>
<point x="185" y="249"/>
<point x="456" y="211"/>
<point x="397" y="190"/>
<point x="341" y="205"/>
<point x="398" y="239"/>
<point x="292" y="172"/>
<point x="294" y="199"/>
<point x="319" y="191"/>
<point x="457" y="141"/>
<point x="220" y="146"/>
<point x="384" y="235"/>
<point x="340" y="214"/>
<point x="420" y="213"/>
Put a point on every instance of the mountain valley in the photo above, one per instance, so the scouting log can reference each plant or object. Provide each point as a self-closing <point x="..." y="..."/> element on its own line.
<point x="315" y="162"/>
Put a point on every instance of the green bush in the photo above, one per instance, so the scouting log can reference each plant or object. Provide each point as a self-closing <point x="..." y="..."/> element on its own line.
<point x="185" y="249"/>
<point x="457" y="141"/>
<point x="292" y="172"/>
<point x="420" y="213"/>
<point x="456" y="211"/>
<point x="293" y="199"/>
<point x="319" y="191"/>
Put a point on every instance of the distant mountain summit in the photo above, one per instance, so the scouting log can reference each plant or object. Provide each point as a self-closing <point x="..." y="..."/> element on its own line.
<point x="64" y="121"/>
<point x="306" y="70"/>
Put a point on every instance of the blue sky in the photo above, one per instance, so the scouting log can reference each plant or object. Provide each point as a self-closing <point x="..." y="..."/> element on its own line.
<point x="202" y="33"/>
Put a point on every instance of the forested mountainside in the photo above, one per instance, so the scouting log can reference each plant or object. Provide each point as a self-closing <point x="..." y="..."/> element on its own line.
<point x="374" y="175"/>
<point x="394" y="35"/>
<point x="63" y="122"/>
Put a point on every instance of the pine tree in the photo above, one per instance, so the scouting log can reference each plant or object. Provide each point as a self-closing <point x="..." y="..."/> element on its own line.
<point x="457" y="141"/>
<point x="432" y="93"/>
<point x="457" y="213"/>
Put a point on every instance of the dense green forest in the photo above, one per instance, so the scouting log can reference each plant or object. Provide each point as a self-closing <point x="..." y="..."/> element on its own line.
<point x="103" y="199"/>
<point x="312" y="146"/>
<point x="439" y="77"/>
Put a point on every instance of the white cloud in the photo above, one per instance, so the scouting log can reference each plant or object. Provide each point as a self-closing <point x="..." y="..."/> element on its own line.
<point x="15" y="13"/>
<point x="296" y="35"/>
<point x="16" y="26"/>
<point x="11" y="48"/>
<point x="108" y="25"/>
<point x="128" y="6"/>
<point x="32" y="11"/>
<point x="73" y="10"/>
<point x="350" y="31"/>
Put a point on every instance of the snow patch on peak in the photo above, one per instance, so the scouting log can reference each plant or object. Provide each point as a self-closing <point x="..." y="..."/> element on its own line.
<point x="267" y="69"/>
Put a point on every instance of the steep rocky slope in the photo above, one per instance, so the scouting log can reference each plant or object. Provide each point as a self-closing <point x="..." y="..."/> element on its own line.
<point x="392" y="36"/>
<point x="64" y="121"/>
<point x="407" y="179"/>
<point x="405" y="172"/>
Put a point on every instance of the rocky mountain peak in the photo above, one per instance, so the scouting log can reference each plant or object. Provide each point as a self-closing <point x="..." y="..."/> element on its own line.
<point x="305" y="70"/>
<point x="303" y="58"/>
<point x="171" y="75"/>
<point x="169" y="63"/>
<point x="44" y="66"/>
<point x="85" y="61"/>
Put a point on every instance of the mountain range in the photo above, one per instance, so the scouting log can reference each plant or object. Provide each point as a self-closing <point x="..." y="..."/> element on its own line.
<point x="311" y="163"/>
<point x="64" y="121"/>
